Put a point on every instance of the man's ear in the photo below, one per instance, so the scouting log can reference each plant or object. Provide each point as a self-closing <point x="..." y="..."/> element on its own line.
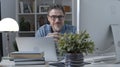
<point x="48" y="18"/>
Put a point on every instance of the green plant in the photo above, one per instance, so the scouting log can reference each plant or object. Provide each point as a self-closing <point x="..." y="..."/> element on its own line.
<point x="24" y="25"/>
<point x="75" y="43"/>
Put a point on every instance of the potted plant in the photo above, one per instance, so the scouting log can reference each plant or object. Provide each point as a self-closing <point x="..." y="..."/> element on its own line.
<point x="73" y="46"/>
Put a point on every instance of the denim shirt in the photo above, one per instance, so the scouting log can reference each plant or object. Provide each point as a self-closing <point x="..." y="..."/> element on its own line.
<point x="45" y="29"/>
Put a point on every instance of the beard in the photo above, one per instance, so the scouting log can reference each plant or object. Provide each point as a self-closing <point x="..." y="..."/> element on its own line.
<point x="57" y="28"/>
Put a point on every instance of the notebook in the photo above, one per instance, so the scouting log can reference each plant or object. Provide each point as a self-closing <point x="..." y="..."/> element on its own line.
<point x="42" y="44"/>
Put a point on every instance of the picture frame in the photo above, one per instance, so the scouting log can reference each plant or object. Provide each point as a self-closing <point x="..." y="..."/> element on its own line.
<point x="43" y="8"/>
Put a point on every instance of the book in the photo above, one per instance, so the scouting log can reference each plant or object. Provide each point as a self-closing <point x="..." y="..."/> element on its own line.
<point x="24" y="60"/>
<point x="21" y="6"/>
<point x="25" y="8"/>
<point x="27" y="55"/>
<point x="30" y="63"/>
<point x="33" y="6"/>
<point x="29" y="8"/>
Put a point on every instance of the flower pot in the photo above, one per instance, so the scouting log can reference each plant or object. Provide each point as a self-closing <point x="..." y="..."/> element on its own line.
<point x="74" y="60"/>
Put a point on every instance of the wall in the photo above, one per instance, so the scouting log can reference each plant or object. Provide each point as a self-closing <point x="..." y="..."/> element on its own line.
<point x="74" y="12"/>
<point x="8" y="8"/>
<point x="96" y="17"/>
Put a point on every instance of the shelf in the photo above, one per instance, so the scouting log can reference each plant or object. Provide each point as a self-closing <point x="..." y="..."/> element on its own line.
<point x="68" y="12"/>
<point x="26" y="32"/>
<point x="42" y="13"/>
<point x="34" y="13"/>
<point x="46" y="13"/>
<point x="26" y="13"/>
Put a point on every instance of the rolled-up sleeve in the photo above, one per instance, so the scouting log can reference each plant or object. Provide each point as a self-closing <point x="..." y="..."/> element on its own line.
<point x="43" y="31"/>
<point x="40" y="33"/>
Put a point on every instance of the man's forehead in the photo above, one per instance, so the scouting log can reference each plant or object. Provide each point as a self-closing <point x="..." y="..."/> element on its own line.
<point x="56" y="12"/>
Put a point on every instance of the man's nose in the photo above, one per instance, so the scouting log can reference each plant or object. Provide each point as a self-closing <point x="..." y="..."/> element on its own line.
<point x="57" y="19"/>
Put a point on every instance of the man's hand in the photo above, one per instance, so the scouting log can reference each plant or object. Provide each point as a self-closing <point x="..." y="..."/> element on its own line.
<point x="55" y="35"/>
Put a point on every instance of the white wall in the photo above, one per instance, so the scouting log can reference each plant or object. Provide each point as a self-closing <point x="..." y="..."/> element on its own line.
<point x="96" y="17"/>
<point x="74" y="12"/>
<point x="8" y="8"/>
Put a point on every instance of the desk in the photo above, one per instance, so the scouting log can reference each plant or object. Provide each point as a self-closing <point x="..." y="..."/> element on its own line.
<point x="103" y="65"/>
<point x="8" y="63"/>
<point x="90" y="65"/>
<point x="35" y="66"/>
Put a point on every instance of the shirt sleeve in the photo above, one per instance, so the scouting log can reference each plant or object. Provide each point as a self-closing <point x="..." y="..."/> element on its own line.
<point x="70" y="29"/>
<point x="43" y="31"/>
<point x="40" y="32"/>
<point x="74" y="29"/>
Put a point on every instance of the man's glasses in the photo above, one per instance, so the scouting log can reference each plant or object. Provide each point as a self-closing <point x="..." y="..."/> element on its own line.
<point x="54" y="17"/>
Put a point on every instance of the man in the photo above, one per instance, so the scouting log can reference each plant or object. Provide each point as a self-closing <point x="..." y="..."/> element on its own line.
<point x="56" y="18"/>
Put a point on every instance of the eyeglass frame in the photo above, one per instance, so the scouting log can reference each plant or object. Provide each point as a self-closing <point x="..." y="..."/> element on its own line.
<point x="54" y="17"/>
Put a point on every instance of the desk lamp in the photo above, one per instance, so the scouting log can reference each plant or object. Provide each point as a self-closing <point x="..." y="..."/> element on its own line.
<point x="8" y="25"/>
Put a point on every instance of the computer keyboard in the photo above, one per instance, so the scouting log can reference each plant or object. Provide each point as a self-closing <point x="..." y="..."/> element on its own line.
<point x="97" y="59"/>
<point x="106" y="58"/>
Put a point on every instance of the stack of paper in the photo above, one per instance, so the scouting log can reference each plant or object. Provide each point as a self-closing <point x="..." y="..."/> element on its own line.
<point x="28" y="58"/>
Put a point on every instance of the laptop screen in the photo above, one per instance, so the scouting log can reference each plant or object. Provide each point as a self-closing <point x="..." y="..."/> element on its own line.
<point x="42" y="44"/>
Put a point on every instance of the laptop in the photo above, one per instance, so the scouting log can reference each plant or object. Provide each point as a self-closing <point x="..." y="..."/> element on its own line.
<point x="42" y="44"/>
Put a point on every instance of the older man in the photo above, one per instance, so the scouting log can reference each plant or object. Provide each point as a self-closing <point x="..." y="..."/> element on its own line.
<point x="56" y="18"/>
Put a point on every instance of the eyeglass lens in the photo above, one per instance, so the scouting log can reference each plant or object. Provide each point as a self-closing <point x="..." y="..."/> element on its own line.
<point x="55" y="17"/>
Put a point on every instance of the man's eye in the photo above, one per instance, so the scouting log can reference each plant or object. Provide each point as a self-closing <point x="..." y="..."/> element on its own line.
<point x="54" y="16"/>
<point x="60" y="16"/>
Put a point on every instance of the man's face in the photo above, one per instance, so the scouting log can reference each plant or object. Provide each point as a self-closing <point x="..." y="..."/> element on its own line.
<point x="56" y="19"/>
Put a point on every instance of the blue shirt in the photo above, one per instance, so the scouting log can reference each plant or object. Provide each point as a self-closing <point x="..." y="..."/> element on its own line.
<point x="45" y="29"/>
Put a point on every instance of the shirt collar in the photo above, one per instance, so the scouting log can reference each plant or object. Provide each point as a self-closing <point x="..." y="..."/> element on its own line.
<point x="62" y="30"/>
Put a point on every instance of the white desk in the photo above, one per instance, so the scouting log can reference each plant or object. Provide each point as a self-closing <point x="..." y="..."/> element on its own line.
<point x="100" y="64"/>
<point x="35" y="66"/>
<point x="90" y="65"/>
<point x="103" y="65"/>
